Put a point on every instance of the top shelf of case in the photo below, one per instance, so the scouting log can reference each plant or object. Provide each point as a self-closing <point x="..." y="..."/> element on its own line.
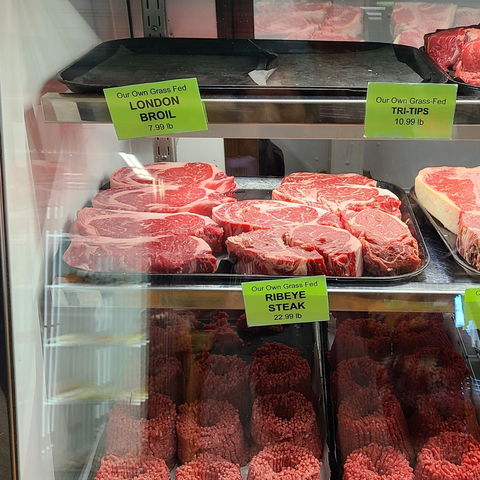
<point x="308" y="117"/>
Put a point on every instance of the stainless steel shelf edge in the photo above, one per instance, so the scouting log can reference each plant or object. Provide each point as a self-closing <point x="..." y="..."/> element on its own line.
<point x="415" y="297"/>
<point x="266" y="117"/>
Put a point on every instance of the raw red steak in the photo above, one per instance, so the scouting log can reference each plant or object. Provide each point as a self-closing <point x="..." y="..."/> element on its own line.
<point x="444" y="46"/>
<point x="121" y="224"/>
<point x="168" y="199"/>
<point x="249" y="215"/>
<point x="468" y="65"/>
<point x="388" y="246"/>
<point x="468" y="238"/>
<point x="161" y="254"/>
<point x="339" y="198"/>
<point x="310" y="250"/>
<point x="329" y="178"/>
<point x="445" y="192"/>
<point x="421" y="16"/>
<point x="197" y="174"/>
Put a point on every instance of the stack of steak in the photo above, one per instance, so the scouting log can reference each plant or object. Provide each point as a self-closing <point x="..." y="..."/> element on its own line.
<point x="155" y="219"/>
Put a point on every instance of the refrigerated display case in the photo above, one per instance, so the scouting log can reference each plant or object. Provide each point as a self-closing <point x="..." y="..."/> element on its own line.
<point x="90" y="351"/>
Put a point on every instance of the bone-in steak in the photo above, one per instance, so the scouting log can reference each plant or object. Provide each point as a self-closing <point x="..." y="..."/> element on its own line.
<point x="248" y="215"/>
<point x="122" y="224"/>
<point x="339" y="198"/>
<point x="197" y="174"/>
<point x="387" y="243"/>
<point x="161" y="254"/>
<point x="168" y="199"/>
<point x="303" y="250"/>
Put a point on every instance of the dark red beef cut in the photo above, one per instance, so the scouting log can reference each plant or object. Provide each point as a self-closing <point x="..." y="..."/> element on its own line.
<point x="339" y="198"/>
<point x="303" y="250"/>
<point x="197" y="174"/>
<point x="457" y="51"/>
<point x="444" y="47"/>
<point x="167" y="199"/>
<point x="468" y="66"/>
<point x="387" y="244"/>
<point x="162" y="254"/>
<point x="122" y="224"/>
<point x="249" y="215"/>
<point x="330" y="179"/>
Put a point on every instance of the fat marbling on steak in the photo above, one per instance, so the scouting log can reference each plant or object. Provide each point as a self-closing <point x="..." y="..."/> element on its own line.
<point x="445" y="192"/>
<point x="339" y="198"/>
<point x="248" y="215"/>
<point x="297" y="250"/>
<point x="124" y="224"/>
<point x="319" y="179"/>
<point x="196" y="174"/>
<point x="168" y="198"/>
<point x="388" y="246"/>
<point x="171" y="253"/>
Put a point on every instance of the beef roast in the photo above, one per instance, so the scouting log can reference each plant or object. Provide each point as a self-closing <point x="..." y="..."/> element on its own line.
<point x="344" y="20"/>
<point x="248" y="215"/>
<point x="197" y="174"/>
<point x="339" y="198"/>
<point x="162" y="254"/>
<point x="122" y="224"/>
<point x="304" y="250"/>
<point x="387" y="243"/>
<point x="447" y="191"/>
<point x="166" y="199"/>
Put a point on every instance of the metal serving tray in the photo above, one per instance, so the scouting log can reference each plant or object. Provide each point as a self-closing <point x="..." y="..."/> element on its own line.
<point x="449" y="238"/>
<point x="286" y="67"/>
<point x="250" y="189"/>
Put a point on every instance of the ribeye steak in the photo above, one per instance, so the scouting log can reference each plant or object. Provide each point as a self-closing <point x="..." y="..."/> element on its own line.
<point x="162" y="254"/>
<point x="303" y="250"/>
<point x="387" y="243"/>
<point x="339" y="198"/>
<point x="166" y="199"/>
<point x="248" y="215"/>
<point x="196" y="174"/>
<point x="123" y="224"/>
<point x="329" y="179"/>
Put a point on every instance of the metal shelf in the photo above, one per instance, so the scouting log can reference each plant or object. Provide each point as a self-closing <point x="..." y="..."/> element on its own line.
<point x="264" y="117"/>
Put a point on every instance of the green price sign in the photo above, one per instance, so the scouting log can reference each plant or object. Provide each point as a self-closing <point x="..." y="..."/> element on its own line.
<point x="273" y="302"/>
<point x="154" y="109"/>
<point x="471" y="306"/>
<point x="410" y="110"/>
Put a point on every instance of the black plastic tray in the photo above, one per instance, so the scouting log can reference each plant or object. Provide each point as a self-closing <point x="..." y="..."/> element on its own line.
<point x="225" y="273"/>
<point x="222" y="66"/>
<point x="449" y="238"/>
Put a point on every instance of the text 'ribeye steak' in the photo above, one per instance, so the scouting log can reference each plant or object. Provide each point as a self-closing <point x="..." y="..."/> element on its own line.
<point x="162" y="254"/>
<point x="123" y="224"/>
<point x="248" y="215"/>
<point x="167" y="199"/>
